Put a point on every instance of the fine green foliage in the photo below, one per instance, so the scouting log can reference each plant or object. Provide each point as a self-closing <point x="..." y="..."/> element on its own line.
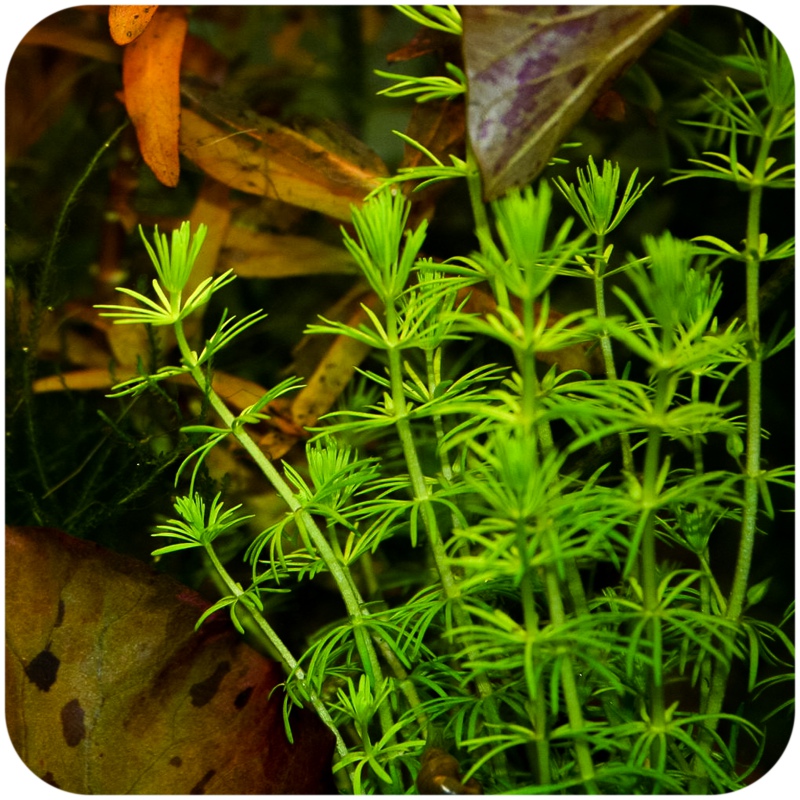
<point x="543" y="633"/>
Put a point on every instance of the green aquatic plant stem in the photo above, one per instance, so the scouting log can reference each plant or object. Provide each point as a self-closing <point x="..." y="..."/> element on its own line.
<point x="475" y="190"/>
<point x="422" y="494"/>
<point x="352" y="600"/>
<point x="754" y="374"/>
<point x="752" y="465"/>
<point x="606" y="346"/>
<point x="650" y="576"/>
<point x="665" y="385"/>
<point x="287" y="659"/>
<point x="541" y="438"/>
<point x="419" y="485"/>
<point x="569" y="685"/>
<point x="420" y="488"/>
<point x="598" y="275"/>
<point x="45" y="282"/>
<point x="526" y="359"/>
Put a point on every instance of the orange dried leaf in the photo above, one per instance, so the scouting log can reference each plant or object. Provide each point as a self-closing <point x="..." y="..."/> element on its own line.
<point x="330" y="378"/>
<point x="212" y="208"/>
<point x="129" y="343"/>
<point x="257" y="155"/>
<point x="126" y="23"/>
<point x="151" y="78"/>
<point x="109" y="689"/>
<point x="238" y="393"/>
<point x="81" y="380"/>
<point x="257" y="254"/>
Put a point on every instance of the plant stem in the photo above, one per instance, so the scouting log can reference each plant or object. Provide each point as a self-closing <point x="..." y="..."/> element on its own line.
<point x="288" y="660"/>
<point x="649" y="563"/>
<point x="752" y="470"/>
<point x="605" y="342"/>
<point x="540" y="436"/>
<point x="476" y="196"/>
<point x="571" y="698"/>
<point x="422" y="495"/>
<point x="339" y="572"/>
<point x="44" y="296"/>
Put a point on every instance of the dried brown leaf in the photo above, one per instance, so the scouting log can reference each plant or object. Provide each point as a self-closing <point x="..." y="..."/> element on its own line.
<point x="109" y="690"/>
<point x="256" y="155"/>
<point x="258" y="254"/>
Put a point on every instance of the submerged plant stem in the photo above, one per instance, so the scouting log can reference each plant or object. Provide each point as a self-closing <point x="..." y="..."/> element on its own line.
<point x="606" y="346"/>
<point x="352" y="599"/>
<point x="752" y="470"/>
<point x="287" y="659"/>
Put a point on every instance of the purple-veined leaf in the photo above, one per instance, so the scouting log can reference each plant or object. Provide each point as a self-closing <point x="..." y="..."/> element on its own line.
<point x="533" y="71"/>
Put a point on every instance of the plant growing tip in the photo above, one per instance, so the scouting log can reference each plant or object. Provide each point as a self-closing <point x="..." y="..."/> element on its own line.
<point x="595" y="199"/>
<point x="173" y="266"/>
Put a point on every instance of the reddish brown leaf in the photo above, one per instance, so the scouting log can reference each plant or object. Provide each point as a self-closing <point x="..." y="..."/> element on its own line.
<point x="425" y="41"/>
<point x="610" y="105"/>
<point x="151" y="79"/>
<point x="533" y="71"/>
<point x="439" y="127"/>
<point x="256" y="155"/>
<point x="202" y="59"/>
<point x="109" y="690"/>
<point x="126" y="23"/>
<point x="123" y="183"/>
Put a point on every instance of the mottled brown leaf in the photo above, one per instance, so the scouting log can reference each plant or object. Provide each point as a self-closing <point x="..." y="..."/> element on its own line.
<point x="533" y="71"/>
<point x="127" y="23"/>
<point x="109" y="690"/>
